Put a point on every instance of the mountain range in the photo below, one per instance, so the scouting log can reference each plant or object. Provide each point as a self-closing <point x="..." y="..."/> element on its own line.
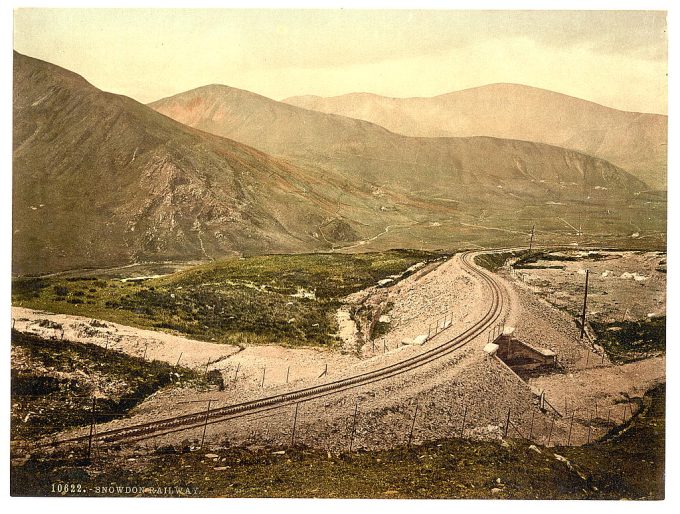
<point x="102" y="180"/>
<point x="633" y="141"/>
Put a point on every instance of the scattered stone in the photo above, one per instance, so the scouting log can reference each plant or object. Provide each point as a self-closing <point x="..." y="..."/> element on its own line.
<point x="534" y="448"/>
<point x="280" y="452"/>
<point x="211" y="456"/>
<point x="496" y="490"/>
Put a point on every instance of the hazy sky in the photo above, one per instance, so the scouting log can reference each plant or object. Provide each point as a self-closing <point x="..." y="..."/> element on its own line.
<point x="617" y="58"/>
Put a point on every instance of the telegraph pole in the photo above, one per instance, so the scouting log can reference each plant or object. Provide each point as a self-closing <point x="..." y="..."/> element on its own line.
<point x="531" y="241"/>
<point x="585" y="302"/>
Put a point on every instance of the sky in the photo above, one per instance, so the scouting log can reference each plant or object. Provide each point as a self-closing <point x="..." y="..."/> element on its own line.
<point x="616" y="58"/>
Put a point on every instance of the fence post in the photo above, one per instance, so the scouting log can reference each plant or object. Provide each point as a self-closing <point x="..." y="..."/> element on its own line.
<point x="264" y="372"/>
<point x="205" y="425"/>
<point x="146" y="346"/>
<point x="413" y="424"/>
<point x="507" y="424"/>
<point x="89" y="439"/>
<point x="287" y="374"/>
<point x="531" y="427"/>
<point x="552" y="425"/>
<point x="571" y="424"/>
<point x="354" y="426"/>
<point x="292" y="440"/>
<point x="590" y="423"/>
<point x="179" y="358"/>
<point x="384" y="346"/>
<point x="462" y="427"/>
<point x="609" y="413"/>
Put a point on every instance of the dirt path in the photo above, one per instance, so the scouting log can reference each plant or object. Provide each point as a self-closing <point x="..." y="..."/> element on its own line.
<point x="130" y="340"/>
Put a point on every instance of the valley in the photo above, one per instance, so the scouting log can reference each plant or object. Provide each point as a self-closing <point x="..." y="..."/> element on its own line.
<point x="334" y="296"/>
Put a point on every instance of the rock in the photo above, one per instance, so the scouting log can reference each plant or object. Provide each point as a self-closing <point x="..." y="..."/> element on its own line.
<point x="565" y="460"/>
<point x="419" y="340"/>
<point x="496" y="490"/>
<point x="220" y="468"/>
<point x="534" y="448"/>
<point x="280" y="452"/>
<point x="211" y="456"/>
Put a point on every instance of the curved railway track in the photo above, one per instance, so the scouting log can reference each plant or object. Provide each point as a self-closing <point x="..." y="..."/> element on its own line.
<point x="197" y="420"/>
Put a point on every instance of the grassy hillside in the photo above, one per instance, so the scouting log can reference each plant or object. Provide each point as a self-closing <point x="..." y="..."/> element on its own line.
<point x="283" y="299"/>
<point x="53" y="383"/>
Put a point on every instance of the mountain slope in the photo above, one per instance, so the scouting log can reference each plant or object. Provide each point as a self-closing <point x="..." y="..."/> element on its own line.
<point x="633" y="141"/>
<point x="368" y="152"/>
<point x="100" y="180"/>
<point x="435" y="192"/>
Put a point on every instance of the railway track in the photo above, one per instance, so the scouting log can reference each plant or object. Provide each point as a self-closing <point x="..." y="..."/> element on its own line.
<point x="197" y="420"/>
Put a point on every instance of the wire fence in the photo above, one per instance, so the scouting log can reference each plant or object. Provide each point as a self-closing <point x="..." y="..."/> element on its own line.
<point x="549" y="425"/>
<point x="354" y="424"/>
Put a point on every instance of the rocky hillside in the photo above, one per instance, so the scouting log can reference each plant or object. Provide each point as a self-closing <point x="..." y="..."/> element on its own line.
<point x="100" y="179"/>
<point x="634" y="141"/>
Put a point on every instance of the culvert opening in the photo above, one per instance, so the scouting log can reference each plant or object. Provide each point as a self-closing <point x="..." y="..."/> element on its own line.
<point x="523" y="358"/>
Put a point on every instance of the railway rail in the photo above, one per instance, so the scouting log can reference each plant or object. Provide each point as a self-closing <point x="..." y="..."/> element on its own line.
<point x="200" y="419"/>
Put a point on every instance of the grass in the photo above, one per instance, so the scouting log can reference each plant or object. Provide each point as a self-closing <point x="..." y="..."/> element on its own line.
<point x="630" y="464"/>
<point x="495" y="261"/>
<point x="629" y="341"/>
<point x="283" y="299"/>
<point x="53" y="385"/>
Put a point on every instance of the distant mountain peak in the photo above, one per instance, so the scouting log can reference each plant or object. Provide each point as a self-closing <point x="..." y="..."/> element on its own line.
<point x="631" y="140"/>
